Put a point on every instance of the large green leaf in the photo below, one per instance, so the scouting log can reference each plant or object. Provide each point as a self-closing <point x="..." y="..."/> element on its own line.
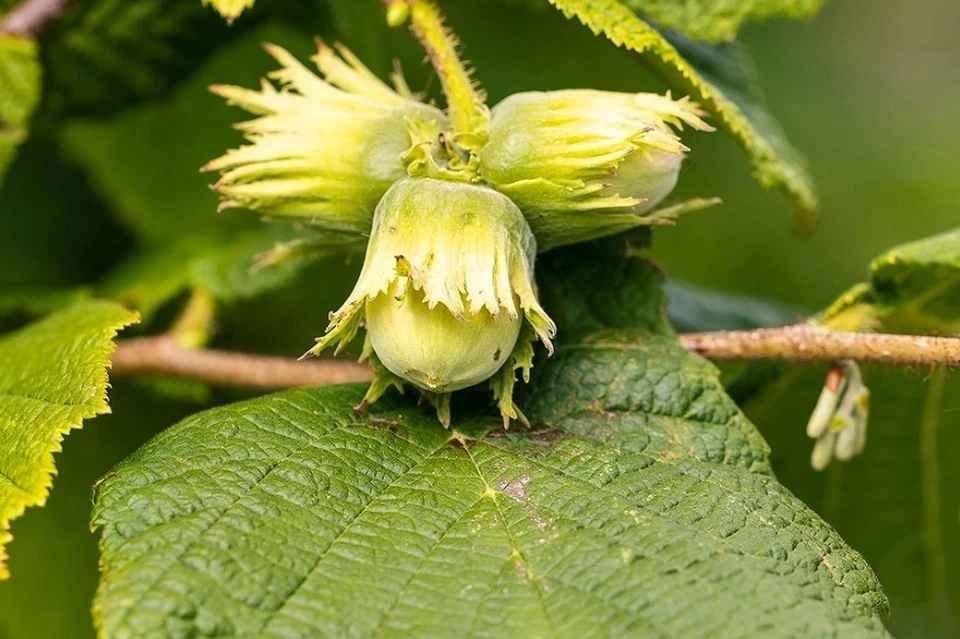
<point x="20" y="82"/>
<point x="603" y="284"/>
<point x="719" y="20"/>
<point x="720" y="80"/>
<point x="641" y="503"/>
<point x="897" y="502"/>
<point x="52" y="377"/>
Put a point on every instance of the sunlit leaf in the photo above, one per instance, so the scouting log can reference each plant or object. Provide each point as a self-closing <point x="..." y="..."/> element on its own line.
<point x="19" y="93"/>
<point x="229" y="9"/>
<point x="53" y="375"/>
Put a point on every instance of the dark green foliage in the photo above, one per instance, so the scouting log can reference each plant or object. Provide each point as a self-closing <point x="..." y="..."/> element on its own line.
<point x="642" y="502"/>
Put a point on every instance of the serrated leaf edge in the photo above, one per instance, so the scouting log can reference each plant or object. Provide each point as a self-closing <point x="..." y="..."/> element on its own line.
<point x="97" y="406"/>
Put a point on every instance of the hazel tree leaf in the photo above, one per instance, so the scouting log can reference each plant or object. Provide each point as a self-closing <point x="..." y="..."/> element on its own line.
<point x="719" y="79"/>
<point x="720" y="20"/>
<point x="641" y="503"/>
<point x="713" y="21"/>
<point x="53" y="556"/>
<point x="918" y="284"/>
<point x="914" y="270"/>
<point x="903" y="486"/>
<point x="53" y="375"/>
<point x="913" y="288"/>
<point x="20" y="78"/>
<point x="105" y="55"/>
<point x="896" y="502"/>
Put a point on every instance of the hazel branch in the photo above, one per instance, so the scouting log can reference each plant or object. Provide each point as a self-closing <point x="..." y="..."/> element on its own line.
<point x="805" y="343"/>
<point x="162" y="355"/>
<point x="31" y="17"/>
<point x="465" y="102"/>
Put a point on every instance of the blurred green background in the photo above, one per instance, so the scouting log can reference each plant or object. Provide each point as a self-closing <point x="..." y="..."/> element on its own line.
<point x="869" y="92"/>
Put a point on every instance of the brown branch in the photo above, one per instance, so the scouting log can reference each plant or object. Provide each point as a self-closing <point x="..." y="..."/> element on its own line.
<point x="804" y="342"/>
<point x="31" y="17"/>
<point x="163" y="356"/>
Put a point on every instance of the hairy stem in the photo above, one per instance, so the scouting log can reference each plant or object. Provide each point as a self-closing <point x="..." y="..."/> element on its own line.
<point x="804" y="342"/>
<point x="31" y="17"/>
<point x="465" y="102"/>
<point x="164" y="356"/>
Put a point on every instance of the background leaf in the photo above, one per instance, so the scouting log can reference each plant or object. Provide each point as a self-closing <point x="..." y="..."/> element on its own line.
<point x="220" y="265"/>
<point x="146" y="162"/>
<point x="103" y="55"/>
<point x="62" y="237"/>
<point x="641" y="489"/>
<point x="693" y="308"/>
<point x="719" y="20"/>
<point x="716" y="78"/>
<point x="106" y="55"/>
<point x="52" y="377"/>
<point x="36" y="300"/>
<point x="20" y="79"/>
